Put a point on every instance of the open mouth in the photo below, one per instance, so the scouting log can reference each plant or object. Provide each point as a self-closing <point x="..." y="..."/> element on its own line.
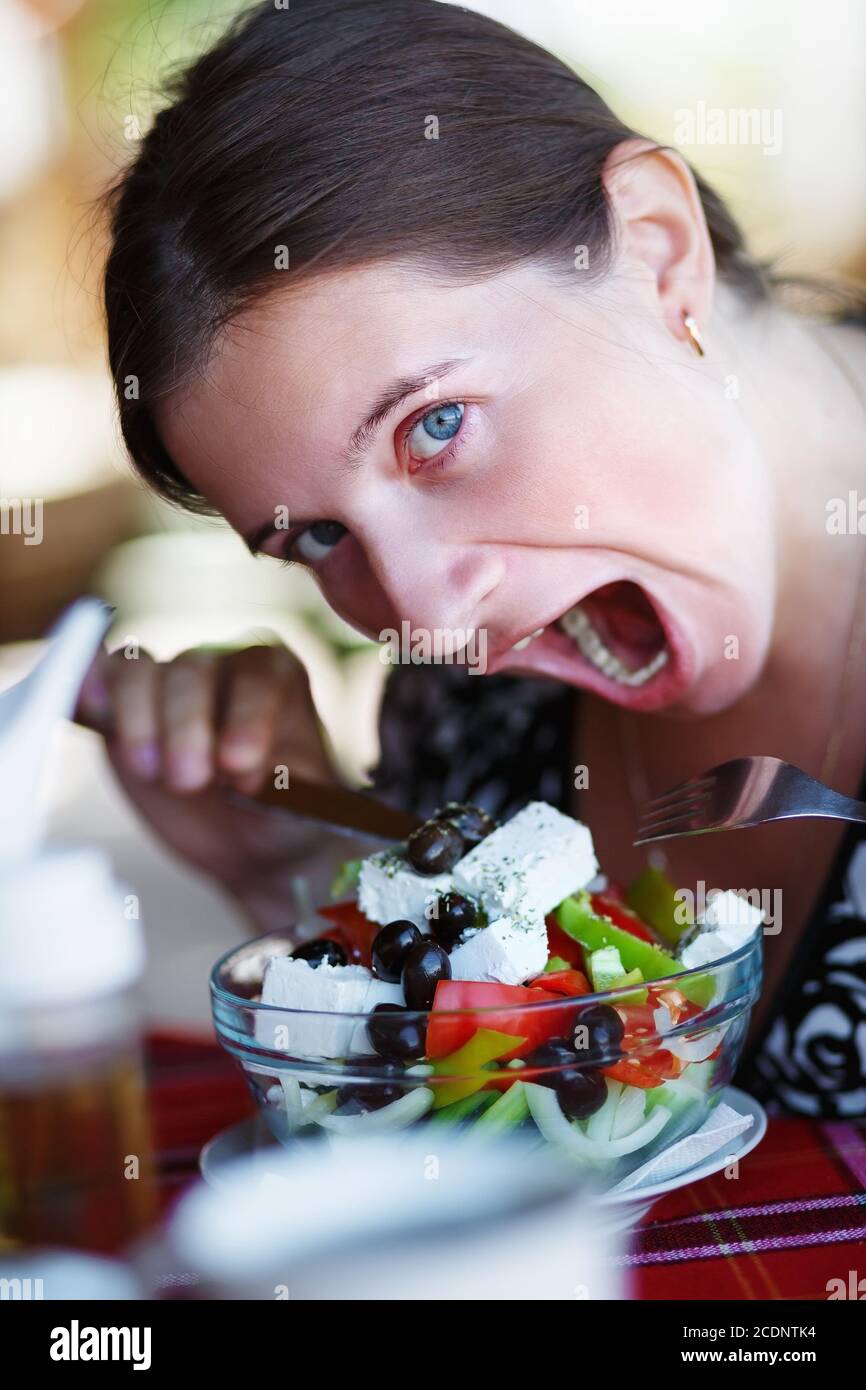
<point x="614" y="641"/>
<point x="616" y="628"/>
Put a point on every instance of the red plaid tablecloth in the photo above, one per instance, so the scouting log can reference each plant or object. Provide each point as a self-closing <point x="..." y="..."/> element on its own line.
<point x="794" y="1217"/>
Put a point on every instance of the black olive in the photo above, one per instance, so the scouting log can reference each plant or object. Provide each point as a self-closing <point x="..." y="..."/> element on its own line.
<point x="556" y="1052"/>
<point x="355" y="1097"/>
<point x="395" y="1033"/>
<point x="580" y="1093"/>
<point x="450" y="916"/>
<point x="600" y="1044"/>
<point x="390" y="948"/>
<point x="434" y="847"/>
<point x="473" y="823"/>
<point x="580" y="1090"/>
<point x="322" y="949"/>
<point x="425" y="965"/>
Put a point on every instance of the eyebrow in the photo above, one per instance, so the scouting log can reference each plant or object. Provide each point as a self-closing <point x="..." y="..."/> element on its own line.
<point x="361" y="439"/>
<point x="389" y="398"/>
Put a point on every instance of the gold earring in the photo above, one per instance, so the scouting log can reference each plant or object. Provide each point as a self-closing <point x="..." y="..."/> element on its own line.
<point x="694" y="333"/>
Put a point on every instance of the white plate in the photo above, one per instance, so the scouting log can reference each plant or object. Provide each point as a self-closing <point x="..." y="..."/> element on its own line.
<point x="627" y="1208"/>
<point x="253" y="1136"/>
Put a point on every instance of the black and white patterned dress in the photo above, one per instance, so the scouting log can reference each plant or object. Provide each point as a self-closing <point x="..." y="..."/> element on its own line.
<point x="498" y="740"/>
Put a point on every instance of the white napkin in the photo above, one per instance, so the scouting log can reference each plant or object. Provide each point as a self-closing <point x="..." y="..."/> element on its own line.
<point x="29" y="713"/>
<point x="720" y="1128"/>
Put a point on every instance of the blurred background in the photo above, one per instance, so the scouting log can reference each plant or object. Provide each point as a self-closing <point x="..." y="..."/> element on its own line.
<point x="79" y="80"/>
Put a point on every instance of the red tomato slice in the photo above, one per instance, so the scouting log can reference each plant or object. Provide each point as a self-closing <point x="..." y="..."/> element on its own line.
<point x="507" y="1009"/>
<point x="606" y="905"/>
<point x="559" y="943"/>
<point x="637" y="1019"/>
<point x="646" y="1069"/>
<point x="569" y="982"/>
<point x="631" y="1073"/>
<point x="680" y="1007"/>
<point x="664" y="1064"/>
<point x="352" y="929"/>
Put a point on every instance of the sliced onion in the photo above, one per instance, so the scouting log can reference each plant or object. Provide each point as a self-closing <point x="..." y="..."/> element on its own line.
<point x="558" y="1130"/>
<point x="687" y="1049"/>
<point x="663" y="1019"/>
<point x="301" y="1104"/>
<point x="396" y="1115"/>
<point x="322" y="1105"/>
<point x="695" y="1049"/>
<point x="600" y="1125"/>
<point x="629" y="1112"/>
<point x="294" y="1106"/>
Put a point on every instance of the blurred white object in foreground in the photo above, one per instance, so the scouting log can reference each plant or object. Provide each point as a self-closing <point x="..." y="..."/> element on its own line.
<point x="72" y="1108"/>
<point x="428" y="1216"/>
<point x="29" y="714"/>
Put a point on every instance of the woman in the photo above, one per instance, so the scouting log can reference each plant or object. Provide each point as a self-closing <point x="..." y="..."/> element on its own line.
<point x="393" y="291"/>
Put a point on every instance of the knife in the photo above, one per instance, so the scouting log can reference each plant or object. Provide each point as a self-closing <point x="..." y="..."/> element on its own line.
<point x="338" y="808"/>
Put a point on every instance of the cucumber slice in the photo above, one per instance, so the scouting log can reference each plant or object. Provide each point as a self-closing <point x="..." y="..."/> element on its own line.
<point x="605" y="966"/>
<point x="510" y="1110"/>
<point x="681" y="1093"/>
<point x="577" y="919"/>
<point x="462" y="1109"/>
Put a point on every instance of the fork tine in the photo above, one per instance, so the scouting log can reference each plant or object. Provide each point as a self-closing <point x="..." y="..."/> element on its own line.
<point x="666" y="830"/>
<point x="703" y="785"/>
<point x="688" y="805"/>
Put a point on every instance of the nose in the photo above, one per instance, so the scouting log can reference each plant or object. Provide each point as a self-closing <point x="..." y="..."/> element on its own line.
<point x="433" y="584"/>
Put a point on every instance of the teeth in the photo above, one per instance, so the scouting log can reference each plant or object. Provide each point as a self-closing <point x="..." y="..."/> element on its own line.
<point x="578" y="627"/>
<point x="525" y="641"/>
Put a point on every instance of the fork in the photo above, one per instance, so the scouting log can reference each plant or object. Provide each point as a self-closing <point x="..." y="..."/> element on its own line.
<point x="742" y="792"/>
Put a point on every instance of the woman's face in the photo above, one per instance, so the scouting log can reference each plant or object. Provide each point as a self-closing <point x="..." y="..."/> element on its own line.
<point x="560" y="463"/>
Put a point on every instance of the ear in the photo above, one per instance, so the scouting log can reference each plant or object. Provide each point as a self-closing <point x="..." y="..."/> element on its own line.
<point x="659" y="226"/>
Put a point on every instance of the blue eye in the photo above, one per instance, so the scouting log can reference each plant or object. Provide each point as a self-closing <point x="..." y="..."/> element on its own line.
<point x="317" y="541"/>
<point x="429" y="435"/>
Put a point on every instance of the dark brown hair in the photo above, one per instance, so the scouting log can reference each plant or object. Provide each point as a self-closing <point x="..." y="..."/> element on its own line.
<point x="307" y="128"/>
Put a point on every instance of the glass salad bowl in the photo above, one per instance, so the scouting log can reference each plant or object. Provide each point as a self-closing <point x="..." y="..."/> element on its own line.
<point x="609" y="1078"/>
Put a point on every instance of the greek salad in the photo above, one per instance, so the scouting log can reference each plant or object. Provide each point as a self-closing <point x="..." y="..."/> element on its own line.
<point x="457" y="983"/>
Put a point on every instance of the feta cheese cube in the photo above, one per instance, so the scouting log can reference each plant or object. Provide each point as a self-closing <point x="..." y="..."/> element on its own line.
<point x="729" y="909"/>
<point x="389" y="890"/>
<point x="505" y="951"/>
<point x="703" y="950"/>
<point x="727" y="924"/>
<point x="529" y="864"/>
<point x="317" y="997"/>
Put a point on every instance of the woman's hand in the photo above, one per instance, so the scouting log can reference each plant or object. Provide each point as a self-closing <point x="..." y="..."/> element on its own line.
<point x="183" y="733"/>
